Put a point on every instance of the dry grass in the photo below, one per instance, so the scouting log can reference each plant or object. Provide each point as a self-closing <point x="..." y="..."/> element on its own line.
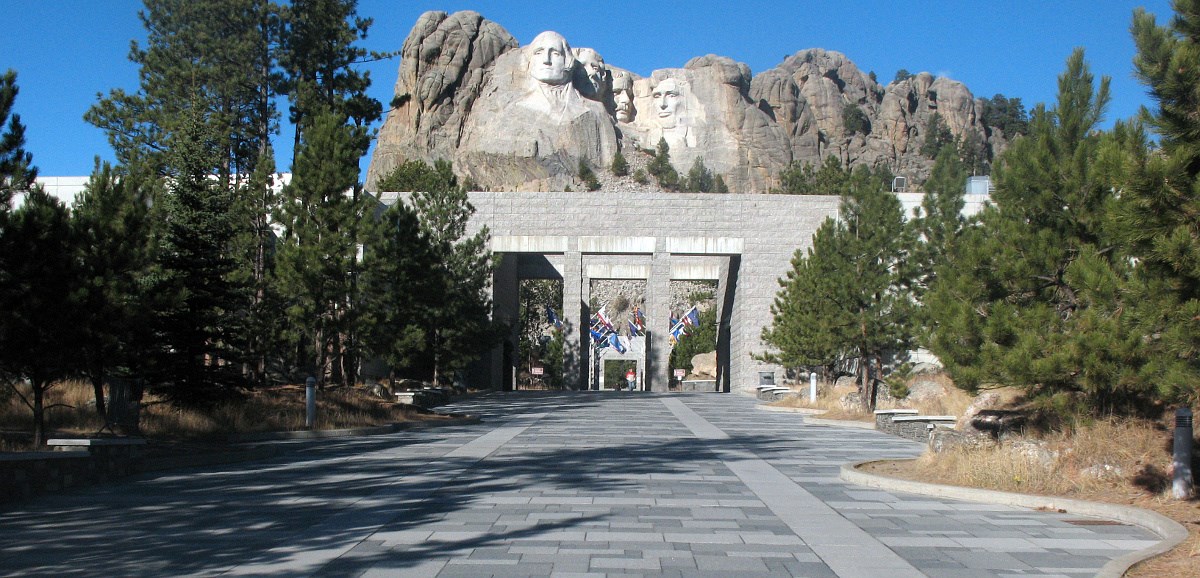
<point x="272" y="409"/>
<point x="953" y="401"/>
<point x="1121" y="461"/>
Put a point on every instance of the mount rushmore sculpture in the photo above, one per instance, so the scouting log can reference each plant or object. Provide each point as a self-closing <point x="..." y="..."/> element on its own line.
<point x="523" y="118"/>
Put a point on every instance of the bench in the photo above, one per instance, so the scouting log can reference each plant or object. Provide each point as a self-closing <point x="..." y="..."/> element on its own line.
<point x="884" y="418"/>
<point x="918" y="427"/>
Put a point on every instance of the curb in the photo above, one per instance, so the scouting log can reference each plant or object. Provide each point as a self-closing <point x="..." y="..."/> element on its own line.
<point x="1170" y="531"/>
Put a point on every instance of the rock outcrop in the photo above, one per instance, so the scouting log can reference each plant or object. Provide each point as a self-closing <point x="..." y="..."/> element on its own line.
<point x="525" y="118"/>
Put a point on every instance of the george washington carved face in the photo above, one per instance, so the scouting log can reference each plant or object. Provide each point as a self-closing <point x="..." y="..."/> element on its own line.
<point x="550" y="59"/>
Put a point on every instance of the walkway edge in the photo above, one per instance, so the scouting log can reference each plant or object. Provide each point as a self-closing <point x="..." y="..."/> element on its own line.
<point x="1171" y="532"/>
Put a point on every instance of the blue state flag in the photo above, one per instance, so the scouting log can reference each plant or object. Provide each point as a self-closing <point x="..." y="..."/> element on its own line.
<point x="615" y="341"/>
<point x="692" y="317"/>
<point x="553" y="318"/>
<point x="634" y="330"/>
<point x="598" y="338"/>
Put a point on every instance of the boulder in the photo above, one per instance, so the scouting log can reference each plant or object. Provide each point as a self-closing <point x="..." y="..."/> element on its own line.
<point x="444" y="65"/>
<point x="705" y="364"/>
<point x="945" y="439"/>
<point x="923" y="390"/>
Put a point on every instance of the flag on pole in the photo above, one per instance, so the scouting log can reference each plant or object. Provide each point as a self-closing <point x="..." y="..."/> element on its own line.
<point x="604" y="319"/>
<point x="598" y="339"/>
<point x="692" y="317"/>
<point x="615" y="341"/>
<point x="553" y="319"/>
<point x="639" y="320"/>
<point x="674" y="321"/>
<point x="634" y="330"/>
<point x="677" y="333"/>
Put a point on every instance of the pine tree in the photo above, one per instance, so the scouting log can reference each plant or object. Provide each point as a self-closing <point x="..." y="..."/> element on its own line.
<point x="588" y="176"/>
<point x="1031" y="296"/>
<point x="39" y="314"/>
<point x="460" y="329"/>
<point x="619" y="167"/>
<point x="699" y="178"/>
<point x="808" y="329"/>
<point x="318" y="55"/>
<point x="849" y="297"/>
<point x="110" y="220"/>
<point x="661" y="169"/>
<point x="940" y="219"/>
<point x="1158" y="209"/>
<point x="457" y="325"/>
<point x="218" y="51"/>
<point x="196" y="302"/>
<point x="937" y="136"/>
<point x="254" y="251"/>
<point x="17" y="172"/>
<point x="719" y="186"/>
<point x="322" y="215"/>
<point x="401" y="281"/>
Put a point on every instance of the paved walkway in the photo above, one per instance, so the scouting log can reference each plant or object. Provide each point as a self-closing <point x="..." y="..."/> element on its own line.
<point x="553" y="484"/>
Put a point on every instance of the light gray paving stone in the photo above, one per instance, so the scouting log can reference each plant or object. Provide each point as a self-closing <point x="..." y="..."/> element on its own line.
<point x="548" y="484"/>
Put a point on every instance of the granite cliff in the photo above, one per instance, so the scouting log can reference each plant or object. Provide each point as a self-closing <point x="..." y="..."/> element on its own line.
<point x="524" y="118"/>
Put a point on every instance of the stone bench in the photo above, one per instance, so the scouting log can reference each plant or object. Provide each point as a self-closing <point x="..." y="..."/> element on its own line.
<point x="72" y="462"/>
<point x="774" y="393"/>
<point x="884" y="417"/>
<point x="427" y="397"/>
<point x="918" y="427"/>
<point x="698" y="385"/>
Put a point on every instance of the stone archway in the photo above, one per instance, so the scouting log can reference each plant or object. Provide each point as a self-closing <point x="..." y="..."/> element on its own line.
<point x="745" y="242"/>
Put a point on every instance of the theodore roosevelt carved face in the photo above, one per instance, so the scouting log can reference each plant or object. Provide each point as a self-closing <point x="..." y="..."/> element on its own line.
<point x="623" y="97"/>
<point x="550" y="59"/>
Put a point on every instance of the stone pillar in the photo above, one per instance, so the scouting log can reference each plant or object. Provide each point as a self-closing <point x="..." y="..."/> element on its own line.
<point x="574" y="320"/>
<point x="726" y="296"/>
<point x="658" y="300"/>
<point x="506" y="290"/>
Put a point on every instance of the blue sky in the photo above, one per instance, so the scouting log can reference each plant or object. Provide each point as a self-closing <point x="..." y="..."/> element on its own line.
<point x="67" y="51"/>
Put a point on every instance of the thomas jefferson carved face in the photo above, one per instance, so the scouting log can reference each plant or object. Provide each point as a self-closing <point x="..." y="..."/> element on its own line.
<point x="593" y="69"/>
<point x="550" y="59"/>
<point x="668" y="101"/>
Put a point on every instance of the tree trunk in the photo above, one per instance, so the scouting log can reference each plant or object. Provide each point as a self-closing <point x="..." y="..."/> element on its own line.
<point x="97" y="379"/>
<point x="39" y="412"/>
<point x="864" y="386"/>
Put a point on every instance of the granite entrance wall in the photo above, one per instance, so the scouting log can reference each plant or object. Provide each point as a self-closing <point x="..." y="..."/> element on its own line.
<point x="745" y="242"/>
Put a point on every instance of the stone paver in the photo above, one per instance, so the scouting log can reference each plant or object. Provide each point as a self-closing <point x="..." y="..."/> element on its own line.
<point x="570" y="484"/>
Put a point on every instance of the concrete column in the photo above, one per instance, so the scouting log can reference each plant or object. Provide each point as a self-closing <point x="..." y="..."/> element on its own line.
<point x="574" y="321"/>
<point x="726" y="297"/>
<point x="586" y="353"/>
<point x="658" y="300"/>
<point x="505" y="309"/>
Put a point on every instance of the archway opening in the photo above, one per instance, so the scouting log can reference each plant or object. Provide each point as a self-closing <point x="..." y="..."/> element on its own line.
<point x="541" y="335"/>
